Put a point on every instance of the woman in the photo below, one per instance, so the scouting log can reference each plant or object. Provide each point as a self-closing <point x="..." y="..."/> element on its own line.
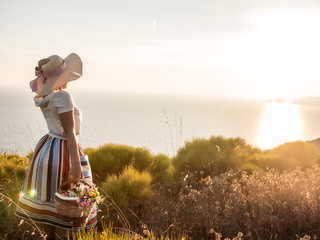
<point x="57" y="156"/>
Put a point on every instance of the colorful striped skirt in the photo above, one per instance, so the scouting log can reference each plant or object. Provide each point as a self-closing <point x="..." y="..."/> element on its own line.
<point x="49" y="168"/>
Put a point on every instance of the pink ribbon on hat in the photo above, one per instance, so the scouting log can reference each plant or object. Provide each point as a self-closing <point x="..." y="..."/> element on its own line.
<point x="41" y="76"/>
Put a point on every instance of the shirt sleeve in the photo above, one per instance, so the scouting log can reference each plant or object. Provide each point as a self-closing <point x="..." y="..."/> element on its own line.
<point x="64" y="102"/>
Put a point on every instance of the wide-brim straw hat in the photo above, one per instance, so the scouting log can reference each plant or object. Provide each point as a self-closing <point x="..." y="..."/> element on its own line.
<point x="56" y="73"/>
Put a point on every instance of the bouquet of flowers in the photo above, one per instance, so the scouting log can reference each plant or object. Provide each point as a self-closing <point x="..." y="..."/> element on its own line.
<point x="86" y="194"/>
<point x="76" y="204"/>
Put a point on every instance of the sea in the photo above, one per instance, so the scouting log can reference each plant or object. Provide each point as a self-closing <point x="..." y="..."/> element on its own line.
<point x="160" y="123"/>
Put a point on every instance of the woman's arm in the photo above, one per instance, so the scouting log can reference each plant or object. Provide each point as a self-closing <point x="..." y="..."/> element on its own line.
<point x="67" y="121"/>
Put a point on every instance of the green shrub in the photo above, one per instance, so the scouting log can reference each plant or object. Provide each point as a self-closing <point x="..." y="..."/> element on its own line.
<point x="264" y="160"/>
<point x="294" y="154"/>
<point x="162" y="168"/>
<point x="13" y="166"/>
<point x="211" y="156"/>
<point x="8" y="170"/>
<point x="129" y="189"/>
<point x="142" y="159"/>
<point x="29" y="155"/>
<point x="90" y="151"/>
<point x="113" y="159"/>
<point x="110" y="159"/>
<point x="285" y="157"/>
<point x="194" y="156"/>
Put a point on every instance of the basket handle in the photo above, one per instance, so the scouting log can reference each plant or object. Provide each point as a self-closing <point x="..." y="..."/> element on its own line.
<point x="66" y="182"/>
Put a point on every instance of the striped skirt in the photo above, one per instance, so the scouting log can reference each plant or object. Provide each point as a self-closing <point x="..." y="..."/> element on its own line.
<point x="49" y="168"/>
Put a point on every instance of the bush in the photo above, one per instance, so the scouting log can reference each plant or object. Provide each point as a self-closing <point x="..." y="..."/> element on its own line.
<point x="143" y="159"/>
<point x="110" y="159"/>
<point x="208" y="157"/>
<point x="89" y="151"/>
<point x="293" y="154"/>
<point x="13" y="166"/>
<point x="113" y="159"/>
<point x="129" y="189"/>
<point x="286" y="156"/>
<point x="264" y="160"/>
<point x="29" y="155"/>
<point x="211" y="156"/>
<point x="162" y="169"/>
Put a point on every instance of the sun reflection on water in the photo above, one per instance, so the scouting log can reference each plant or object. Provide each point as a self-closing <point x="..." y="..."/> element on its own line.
<point x="279" y="123"/>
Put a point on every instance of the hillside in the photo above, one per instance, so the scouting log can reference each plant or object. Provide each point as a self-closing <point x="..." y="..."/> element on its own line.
<point x="312" y="101"/>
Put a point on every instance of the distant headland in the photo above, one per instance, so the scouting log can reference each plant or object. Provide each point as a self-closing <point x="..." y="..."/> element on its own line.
<point x="311" y="101"/>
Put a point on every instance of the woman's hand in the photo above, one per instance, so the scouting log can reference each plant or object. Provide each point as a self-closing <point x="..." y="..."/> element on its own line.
<point x="75" y="174"/>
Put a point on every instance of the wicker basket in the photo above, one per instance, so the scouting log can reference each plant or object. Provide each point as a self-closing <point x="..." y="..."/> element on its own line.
<point x="69" y="211"/>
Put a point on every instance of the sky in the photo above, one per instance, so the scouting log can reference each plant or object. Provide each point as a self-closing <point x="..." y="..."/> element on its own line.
<point x="221" y="48"/>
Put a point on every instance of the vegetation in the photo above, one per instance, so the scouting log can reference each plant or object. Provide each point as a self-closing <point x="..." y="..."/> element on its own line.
<point x="212" y="189"/>
<point x="112" y="159"/>
<point x="212" y="156"/>
<point x="216" y="155"/>
<point x="13" y="166"/>
<point x="275" y="204"/>
<point x="111" y="233"/>
<point x="131" y="188"/>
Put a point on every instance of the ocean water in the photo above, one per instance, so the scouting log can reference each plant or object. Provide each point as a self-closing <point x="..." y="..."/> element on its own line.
<point x="160" y="123"/>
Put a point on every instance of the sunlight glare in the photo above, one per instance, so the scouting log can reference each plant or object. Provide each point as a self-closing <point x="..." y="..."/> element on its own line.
<point x="33" y="193"/>
<point x="281" y="55"/>
<point x="280" y="123"/>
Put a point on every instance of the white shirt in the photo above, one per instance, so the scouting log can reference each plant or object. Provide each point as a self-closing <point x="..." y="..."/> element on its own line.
<point x="54" y="104"/>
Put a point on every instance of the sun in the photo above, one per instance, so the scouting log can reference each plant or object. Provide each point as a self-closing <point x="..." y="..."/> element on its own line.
<point x="281" y="54"/>
<point x="280" y="123"/>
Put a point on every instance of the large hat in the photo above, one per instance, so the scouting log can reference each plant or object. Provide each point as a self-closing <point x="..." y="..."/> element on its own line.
<point x="56" y="73"/>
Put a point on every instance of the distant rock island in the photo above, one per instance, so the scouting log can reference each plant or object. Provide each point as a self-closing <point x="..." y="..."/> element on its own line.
<point x="278" y="100"/>
<point x="311" y="101"/>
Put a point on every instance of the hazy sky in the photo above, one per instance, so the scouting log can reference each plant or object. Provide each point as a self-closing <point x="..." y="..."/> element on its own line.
<point x="224" y="48"/>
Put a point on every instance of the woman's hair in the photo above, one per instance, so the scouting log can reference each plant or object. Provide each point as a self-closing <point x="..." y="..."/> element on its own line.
<point x="62" y="87"/>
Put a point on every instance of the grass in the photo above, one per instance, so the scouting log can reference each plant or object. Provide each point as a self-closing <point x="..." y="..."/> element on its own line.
<point x="9" y="191"/>
<point x="212" y="189"/>
<point x="13" y="228"/>
<point x="111" y="233"/>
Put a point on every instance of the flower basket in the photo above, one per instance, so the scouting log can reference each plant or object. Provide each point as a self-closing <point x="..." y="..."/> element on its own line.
<point x="68" y="207"/>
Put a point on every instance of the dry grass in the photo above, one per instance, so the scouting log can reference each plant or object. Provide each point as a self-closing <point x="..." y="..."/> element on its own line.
<point x="285" y="205"/>
<point x="208" y="201"/>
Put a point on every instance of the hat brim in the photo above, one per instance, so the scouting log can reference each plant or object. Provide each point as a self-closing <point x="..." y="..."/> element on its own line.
<point x="72" y="72"/>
